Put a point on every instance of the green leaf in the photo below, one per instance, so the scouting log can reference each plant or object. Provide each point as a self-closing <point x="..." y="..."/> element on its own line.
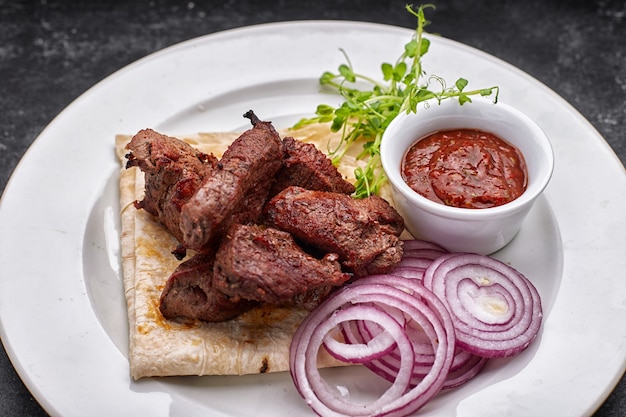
<point x="399" y="71"/>
<point x="409" y="79"/>
<point x="464" y="98"/>
<point x="461" y="83"/>
<point x="424" y="94"/>
<point x="387" y="71"/>
<point x="425" y="46"/>
<point x="327" y="78"/>
<point x="347" y="73"/>
<point x="410" y="48"/>
<point x="324" y="110"/>
<point x="337" y="124"/>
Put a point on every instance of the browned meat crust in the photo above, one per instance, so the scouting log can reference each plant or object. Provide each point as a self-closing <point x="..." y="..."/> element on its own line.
<point x="189" y="293"/>
<point x="173" y="172"/>
<point x="366" y="241"/>
<point x="306" y="166"/>
<point x="264" y="264"/>
<point x="205" y="204"/>
<point x="237" y="189"/>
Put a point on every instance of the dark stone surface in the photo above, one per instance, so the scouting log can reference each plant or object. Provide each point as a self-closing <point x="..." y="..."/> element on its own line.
<point x="52" y="51"/>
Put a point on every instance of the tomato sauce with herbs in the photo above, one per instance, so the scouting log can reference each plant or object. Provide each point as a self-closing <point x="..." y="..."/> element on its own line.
<point x="465" y="168"/>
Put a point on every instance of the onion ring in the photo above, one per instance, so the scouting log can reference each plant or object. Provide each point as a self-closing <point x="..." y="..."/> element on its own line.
<point x="496" y="310"/>
<point x="465" y="365"/>
<point x="430" y="324"/>
<point x="375" y="299"/>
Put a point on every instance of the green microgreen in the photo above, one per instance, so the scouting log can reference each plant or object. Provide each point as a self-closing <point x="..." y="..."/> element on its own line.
<point x="365" y="114"/>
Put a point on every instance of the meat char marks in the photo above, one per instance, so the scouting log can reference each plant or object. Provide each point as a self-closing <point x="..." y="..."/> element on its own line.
<point x="363" y="232"/>
<point x="265" y="264"/>
<point x="197" y="198"/>
<point x="173" y="172"/>
<point x="190" y="293"/>
<point x="271" y="222"/>
<point x="306" y="166"/>
<point x="237" y="189"/>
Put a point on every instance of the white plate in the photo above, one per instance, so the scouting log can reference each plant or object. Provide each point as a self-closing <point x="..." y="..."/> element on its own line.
<point x="61" y="299"/>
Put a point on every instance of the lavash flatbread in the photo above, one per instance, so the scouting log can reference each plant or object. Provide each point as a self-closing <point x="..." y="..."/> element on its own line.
<point x="256" y="342"/>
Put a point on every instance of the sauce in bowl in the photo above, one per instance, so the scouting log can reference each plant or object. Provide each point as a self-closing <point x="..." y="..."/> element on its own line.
<point x="465" y="168"/>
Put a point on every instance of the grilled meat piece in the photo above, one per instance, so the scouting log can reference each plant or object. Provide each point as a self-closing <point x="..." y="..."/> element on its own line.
<point x="306" y="166"/>
<point x="265" y="264"/>
<point x="173" y="172"/>
<point x="189" y="293"/>
<point x="363" y="232"/>
<point x="237" y="189"/>
<point x="383" y="213"/>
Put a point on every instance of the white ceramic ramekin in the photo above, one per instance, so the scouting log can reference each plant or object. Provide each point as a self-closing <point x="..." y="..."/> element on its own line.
<point x="483" y="230"/>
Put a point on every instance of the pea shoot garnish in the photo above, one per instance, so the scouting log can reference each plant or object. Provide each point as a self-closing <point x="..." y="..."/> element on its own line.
<point x="366" y="113"/>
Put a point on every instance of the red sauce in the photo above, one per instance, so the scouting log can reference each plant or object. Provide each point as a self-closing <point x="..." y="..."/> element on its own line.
<point x="465" y="168"/>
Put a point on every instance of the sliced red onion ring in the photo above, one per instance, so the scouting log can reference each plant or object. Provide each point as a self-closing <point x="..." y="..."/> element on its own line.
<point x="417" y="256"/>
<point x="330" y="396"/>
<point x="465" y="365"/>
<point x="358" y="349"/>
<point x="497" y="311"/>
<point x="375" y="300"/>
<point x="459" y="376"/>
<point x="408" y="272"/>
<point x="429" y="325"/>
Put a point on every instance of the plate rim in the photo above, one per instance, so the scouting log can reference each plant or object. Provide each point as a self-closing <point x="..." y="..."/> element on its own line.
<point x="47" y="131"/>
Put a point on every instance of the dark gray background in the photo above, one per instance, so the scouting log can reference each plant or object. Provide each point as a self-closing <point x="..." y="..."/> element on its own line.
<point x="53" y="51"/>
